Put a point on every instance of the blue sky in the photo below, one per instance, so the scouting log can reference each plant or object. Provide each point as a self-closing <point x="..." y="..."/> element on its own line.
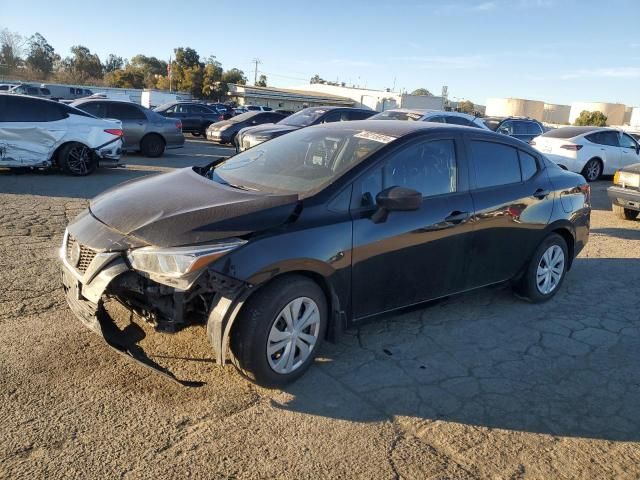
<point x="553" y="50"/>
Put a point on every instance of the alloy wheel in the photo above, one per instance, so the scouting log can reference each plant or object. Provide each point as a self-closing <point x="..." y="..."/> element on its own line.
<point x="79" y="160"/>
<point x="293" y="335"/>
<point x="550" y="270"/>
<point x="592" y="170"/>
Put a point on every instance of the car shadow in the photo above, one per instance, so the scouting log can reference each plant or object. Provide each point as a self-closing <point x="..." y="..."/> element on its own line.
<point x="568" y="367"/>
<point x="622" y="233"/>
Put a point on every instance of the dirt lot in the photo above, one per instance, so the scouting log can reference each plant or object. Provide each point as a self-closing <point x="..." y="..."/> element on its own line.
<point x="481" y="385"/>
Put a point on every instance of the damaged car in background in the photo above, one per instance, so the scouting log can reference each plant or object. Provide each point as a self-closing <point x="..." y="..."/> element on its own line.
<point x="280" y="247"/>
<point x="39" y="133"/>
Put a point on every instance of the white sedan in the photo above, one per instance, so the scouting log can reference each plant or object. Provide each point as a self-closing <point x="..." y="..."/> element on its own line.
<point x="426" y="115"/>
<point x="40" y="133"/>
<point x="591" y="151"/>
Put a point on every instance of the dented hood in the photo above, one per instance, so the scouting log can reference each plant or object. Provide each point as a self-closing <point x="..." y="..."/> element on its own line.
<point x="184" y="208"/>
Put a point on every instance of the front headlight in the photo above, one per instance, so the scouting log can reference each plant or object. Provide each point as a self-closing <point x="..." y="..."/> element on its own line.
<point x="627" y="179"/>
<point x="223" y="128"/>
<point x="179" y="261"/>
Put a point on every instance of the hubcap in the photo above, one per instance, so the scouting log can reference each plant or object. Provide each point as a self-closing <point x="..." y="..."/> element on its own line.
<point x="293" y="335"/>
<point x="79" y="159"/>
<point x="550" y="270"/>
<point x="593" y="170"/>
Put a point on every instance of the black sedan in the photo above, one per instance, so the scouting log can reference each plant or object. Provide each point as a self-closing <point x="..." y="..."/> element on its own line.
<point x="195" y="117"/>
<point x="252" y="136"/>
<point x="282" y="246"/>
<point x="226" y="131"/>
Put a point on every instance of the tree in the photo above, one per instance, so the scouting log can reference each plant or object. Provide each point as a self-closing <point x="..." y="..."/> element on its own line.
<point x="212" y="77"/>
<point x="11" y="48"/>
<point x="82" y="66"/>
<point x="41" y="55"/>
<point x="466" y="106"/>
<point x="594" y="119"/>
<point x="234" y="76"/>
<point x="422" y="91"/>
<point x="186" y="57"/>
<point x="113" y="63"/>
<point x="317" y="79"/>
<point x="262" y="81"/>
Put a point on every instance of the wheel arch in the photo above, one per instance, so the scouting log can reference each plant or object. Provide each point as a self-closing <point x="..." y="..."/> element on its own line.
<point x="567" y="232"/>
<point x="56" y="152"/>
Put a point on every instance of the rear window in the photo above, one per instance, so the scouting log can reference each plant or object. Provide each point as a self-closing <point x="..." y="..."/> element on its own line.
<point x="25" y="109"/>
<point x="567" y="132"/>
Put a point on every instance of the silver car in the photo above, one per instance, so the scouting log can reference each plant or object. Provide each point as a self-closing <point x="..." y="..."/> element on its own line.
<point x="144" y="129"/>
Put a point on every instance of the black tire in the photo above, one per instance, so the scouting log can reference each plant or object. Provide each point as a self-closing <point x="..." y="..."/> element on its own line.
<point x="250" y="335"/>
<point x="625" y="213"/>
<point x="195" y="134"/>
<point x="527" y="285"/>
<point x="152" y="146"/>
<point x="592" y="170"/>
<point x="77" y="159"/>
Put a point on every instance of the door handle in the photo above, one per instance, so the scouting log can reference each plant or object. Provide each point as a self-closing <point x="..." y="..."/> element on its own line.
<point x="541" y="193"/>
<point x="457" y="217"/>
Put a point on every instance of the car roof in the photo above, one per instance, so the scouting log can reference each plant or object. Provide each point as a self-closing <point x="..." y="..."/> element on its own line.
<point x="571" y="132"/>
<point x="399" y="129"/>
<point x="421" y="111"/>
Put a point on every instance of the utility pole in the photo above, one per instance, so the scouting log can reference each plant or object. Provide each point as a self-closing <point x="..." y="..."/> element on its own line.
<point x="255" y="73"/>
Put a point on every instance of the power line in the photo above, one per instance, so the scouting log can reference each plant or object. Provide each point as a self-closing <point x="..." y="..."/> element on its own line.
<point x="255" y="74"/>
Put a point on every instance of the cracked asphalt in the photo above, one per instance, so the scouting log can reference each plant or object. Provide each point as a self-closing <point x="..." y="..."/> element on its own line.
<point x="480" y="385"/>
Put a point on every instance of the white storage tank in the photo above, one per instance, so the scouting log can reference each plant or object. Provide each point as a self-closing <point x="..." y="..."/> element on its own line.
<point x="515" y="107"/>
<point x="558" y="114"/>
<point x="613" y="111"/>
<point x="627" y="115"/>
<point x="635" y="117"/>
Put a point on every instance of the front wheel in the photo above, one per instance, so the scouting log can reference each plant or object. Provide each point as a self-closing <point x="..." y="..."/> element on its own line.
<point x="592" y="170"/>
<point x="625" y="213"/>
<point x="152" y="146"/>
<point x="77" y="159"/>
<point x="546" y="270"/>
<point x="279" y="331"/>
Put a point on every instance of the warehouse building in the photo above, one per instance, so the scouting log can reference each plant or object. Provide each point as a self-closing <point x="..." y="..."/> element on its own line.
<point x="284" y="98"/>
<point x="515" y="107"/>
<point x="614" y="112"/>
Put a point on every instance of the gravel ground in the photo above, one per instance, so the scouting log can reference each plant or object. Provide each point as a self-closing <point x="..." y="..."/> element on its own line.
<point x="477" y="386"/>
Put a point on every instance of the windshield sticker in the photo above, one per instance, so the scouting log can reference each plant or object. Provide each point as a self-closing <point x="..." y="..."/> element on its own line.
<point x="376" y="137"/>
<point x="414" y="116"/>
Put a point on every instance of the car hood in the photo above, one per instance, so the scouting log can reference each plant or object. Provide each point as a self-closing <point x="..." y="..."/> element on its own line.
<point x="185" y="208"/>
<point x="269" y="129"/>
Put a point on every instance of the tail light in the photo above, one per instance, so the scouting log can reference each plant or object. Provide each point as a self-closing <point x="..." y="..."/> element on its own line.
<point x="572" y="147"/>
<point x="586" y="190"/>
<point x="115" y="131"/>
<point x="179" y="125"/>
<point x="221" y="117"/>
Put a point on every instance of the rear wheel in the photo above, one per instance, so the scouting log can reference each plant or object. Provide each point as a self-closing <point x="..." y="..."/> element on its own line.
<point x="592" y="170"/>
<point x="279" y="331"/>
<point x="152" y="146"/>
<point x="625" y="213"/>
<point x="546" y="270"/>
<point x="77" y="159"/>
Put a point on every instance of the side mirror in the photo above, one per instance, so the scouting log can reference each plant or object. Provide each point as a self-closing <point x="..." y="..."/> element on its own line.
<point x="396" y="199"/>
<point x="503" y="130"/>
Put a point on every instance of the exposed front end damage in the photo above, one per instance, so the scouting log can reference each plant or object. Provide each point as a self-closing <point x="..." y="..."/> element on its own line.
<point x="90" y="278"/>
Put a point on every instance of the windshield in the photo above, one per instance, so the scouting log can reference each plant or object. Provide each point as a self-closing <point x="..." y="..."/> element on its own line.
<point x="301" y="162"/>
<point x="243" y="116"/>
<point x="398" y="115"/>
<point x="303" y="118"/>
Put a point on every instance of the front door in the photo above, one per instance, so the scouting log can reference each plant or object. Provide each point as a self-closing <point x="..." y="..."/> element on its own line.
<point x="413" y="256"/>
<point x="513" y="201"/>
<point x="629" y="151"/>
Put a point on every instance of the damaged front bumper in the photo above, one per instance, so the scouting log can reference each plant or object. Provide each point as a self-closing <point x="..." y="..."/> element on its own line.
<point x="89" y="277"/>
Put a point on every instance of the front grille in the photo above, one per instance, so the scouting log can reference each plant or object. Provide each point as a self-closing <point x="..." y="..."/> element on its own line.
<point x="86" y="255"/>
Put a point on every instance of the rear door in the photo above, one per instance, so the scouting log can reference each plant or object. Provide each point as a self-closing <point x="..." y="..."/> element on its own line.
<point x="629" y="150"/>
<point x="417" y="255"/>
<point x="30" y="130"/>
<point x="513" y="203"/>
<point x="134" y="122"/>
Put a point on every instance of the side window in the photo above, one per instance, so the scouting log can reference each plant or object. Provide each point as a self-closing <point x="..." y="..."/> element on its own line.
<point x="23" y="109"/>
<point x="438" y="119"/>
<point x="453" y="120"/>
<point x="627" y="142"/>
<point x="183" y="109"/>
<point x="609" y="138"/>
<point x="528" y="165"/>
<point x="96" y="109"/>
<point x="494" y="164"/>
<point x="201" y="109"/>
<point x="332" y="117"/>
<point x="358" y="115"/>
<point x="506" y="128"/>
<point x="428" y="167"/>
<point x="534" y="128"/>
<point x="3" y="109"/>
<point x="123" y="111"/>
<point x="171" y="109"/>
